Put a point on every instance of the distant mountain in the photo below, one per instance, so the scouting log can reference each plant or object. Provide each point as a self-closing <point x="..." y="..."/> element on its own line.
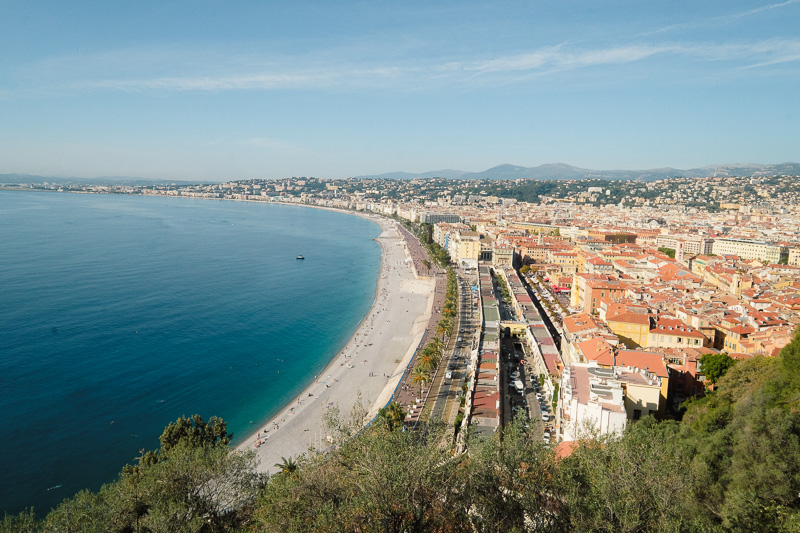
<point x="553" y="171"/>
<point x="561" y="171"/>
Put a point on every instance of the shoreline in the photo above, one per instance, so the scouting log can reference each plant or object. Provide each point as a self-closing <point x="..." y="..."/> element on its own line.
<point x="372" y="362"/>
<point x="370" y="365"/>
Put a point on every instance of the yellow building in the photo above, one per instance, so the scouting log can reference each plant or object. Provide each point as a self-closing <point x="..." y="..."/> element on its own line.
<point x="649" y="396"/>
<point x="631" y="327"/>
<point x="465" y="248"/>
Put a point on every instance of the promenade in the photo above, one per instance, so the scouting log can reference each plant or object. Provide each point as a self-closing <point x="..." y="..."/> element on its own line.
<point x="408" y="394"/>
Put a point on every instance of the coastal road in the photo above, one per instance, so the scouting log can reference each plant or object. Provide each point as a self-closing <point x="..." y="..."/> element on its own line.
<point x="447" y="402"/>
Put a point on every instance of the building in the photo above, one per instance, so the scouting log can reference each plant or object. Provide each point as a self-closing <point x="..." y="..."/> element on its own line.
<point x="502" y="256"/>
<point x="690" y="244"/>
<point x="747" y="249"/>
<point x="631" y="324"/>
<point x="588" y="290"/>
<point x="672" y="333"/>
<point x="590" y="399"/>
<point x="464" y="247"/>
<point x="427" y="217"/>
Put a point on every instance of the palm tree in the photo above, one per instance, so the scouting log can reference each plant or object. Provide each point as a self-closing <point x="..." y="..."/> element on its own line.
<point x="427" y="361"/>
<point x="288" y="466"/>
<point x="438" y="346"/>
<point x="445" y="326"/>
<point x="393" y="415"/>
<point x="419" y="375"/>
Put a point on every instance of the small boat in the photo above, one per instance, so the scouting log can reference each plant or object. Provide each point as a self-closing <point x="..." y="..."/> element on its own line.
<point x="300" y="257"/>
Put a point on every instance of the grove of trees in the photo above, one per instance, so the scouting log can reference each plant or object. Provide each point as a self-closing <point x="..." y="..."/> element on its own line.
<point x="731" y="464"/>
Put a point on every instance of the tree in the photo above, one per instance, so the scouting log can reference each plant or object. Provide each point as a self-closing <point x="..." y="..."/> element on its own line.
<point x="669" y="251"/>
<point x="629" y="483"/>
<point x="287" y="466"/>
<point x="715" y="365"/>
<point x="196" y="484"/>
<point x="419" y="376"/>
<point x="381" y="481"/>
<point x="445" y="326"/>
<point x="427" y="265"/>
<point x="195" y="432"/>
<point x="392" y="416"/>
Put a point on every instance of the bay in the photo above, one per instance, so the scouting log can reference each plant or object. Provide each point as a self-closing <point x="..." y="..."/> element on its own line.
<point x="119" y="314"/>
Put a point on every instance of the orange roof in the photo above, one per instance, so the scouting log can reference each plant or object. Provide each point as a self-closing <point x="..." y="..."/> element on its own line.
<point x="579" y="322"/>
<point x="565" y="449"/>
<point x="597" y="349"/>
<point x="652" y="362"/>
<point x="630" y="318"/>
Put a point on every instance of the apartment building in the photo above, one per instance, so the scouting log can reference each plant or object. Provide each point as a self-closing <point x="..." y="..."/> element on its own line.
<point x="747" y="249"/>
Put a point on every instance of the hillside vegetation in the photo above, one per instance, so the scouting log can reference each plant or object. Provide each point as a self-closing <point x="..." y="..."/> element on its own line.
<point x="731" y="464"/>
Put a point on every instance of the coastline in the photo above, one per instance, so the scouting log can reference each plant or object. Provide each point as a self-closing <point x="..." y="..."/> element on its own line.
<point x="367" y="369"/>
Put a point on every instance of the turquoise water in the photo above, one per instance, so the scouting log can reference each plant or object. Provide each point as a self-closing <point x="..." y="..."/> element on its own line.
<point x="119" y="314"/>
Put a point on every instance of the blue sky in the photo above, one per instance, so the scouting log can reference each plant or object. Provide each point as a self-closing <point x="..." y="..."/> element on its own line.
<point x="212" y="90"/>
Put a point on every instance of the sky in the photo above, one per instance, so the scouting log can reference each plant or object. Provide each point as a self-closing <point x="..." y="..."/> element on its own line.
<point x="215" y="90"/>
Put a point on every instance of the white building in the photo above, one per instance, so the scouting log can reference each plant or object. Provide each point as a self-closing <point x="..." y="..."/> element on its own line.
<point x="590" y="400"/>
<point x="747" y="249"/>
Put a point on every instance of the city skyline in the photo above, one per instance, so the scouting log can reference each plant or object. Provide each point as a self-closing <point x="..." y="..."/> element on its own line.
<point x="173" y="90"/>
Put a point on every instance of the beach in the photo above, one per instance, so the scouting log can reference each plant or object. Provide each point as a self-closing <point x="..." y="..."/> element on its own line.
<point x="371" y="364"/>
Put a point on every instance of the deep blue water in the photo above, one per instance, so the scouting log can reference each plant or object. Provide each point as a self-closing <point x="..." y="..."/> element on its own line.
<point x="119" y="314"/>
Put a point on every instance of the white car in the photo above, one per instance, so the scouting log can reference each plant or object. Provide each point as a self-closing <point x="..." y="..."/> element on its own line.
<point x="448" y="375"/>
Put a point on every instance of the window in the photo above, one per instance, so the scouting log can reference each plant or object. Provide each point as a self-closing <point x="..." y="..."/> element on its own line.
<point x="637" y="414"/>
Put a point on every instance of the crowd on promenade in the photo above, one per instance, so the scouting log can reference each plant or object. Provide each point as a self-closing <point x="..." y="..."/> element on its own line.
<point x="407" y="393"/>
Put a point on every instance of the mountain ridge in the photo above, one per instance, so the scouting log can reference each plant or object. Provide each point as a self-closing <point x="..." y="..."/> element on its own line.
<point x="563" y="171"/>
<point x="506" y="171"/>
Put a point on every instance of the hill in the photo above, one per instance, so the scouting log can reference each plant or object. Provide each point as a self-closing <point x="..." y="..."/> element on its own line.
<point x="561" y="171"/>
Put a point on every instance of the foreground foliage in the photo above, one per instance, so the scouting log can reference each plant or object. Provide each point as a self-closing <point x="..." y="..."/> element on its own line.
<point x="731" y="464"/>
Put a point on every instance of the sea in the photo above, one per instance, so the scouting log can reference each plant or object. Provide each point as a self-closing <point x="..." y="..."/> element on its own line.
<point x="121" y="313"/>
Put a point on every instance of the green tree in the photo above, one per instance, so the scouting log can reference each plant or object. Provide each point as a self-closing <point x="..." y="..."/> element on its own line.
<point x="195" y="432"/>
<point x="715" y="365"/>
<point x="511" y="483"/>
<point x="286" y="466"/>
<point x="196" y="484"/>
<point x="419" y="376"/>
<point x="669" y="251"/>
<point x="392" y="416"/>
<point x="630" y="483"/>
<point x="382" y="481"/>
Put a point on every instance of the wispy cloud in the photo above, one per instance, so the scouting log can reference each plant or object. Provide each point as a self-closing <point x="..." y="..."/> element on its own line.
<point x="242" y="73"/>
<point x="558" y="57"/>
<point x="717" y="21"/>
<point x="267" y="81"/>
